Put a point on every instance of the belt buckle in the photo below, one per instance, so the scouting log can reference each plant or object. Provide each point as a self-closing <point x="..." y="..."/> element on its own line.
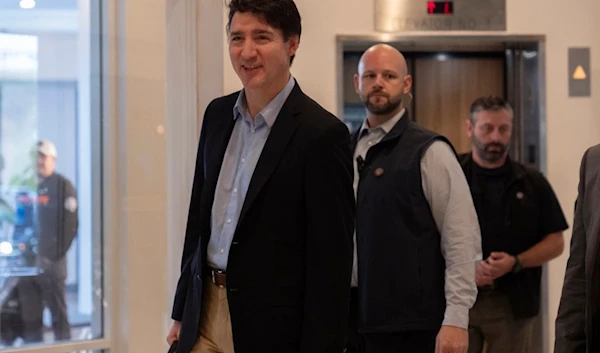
<point x="213" y="277"/>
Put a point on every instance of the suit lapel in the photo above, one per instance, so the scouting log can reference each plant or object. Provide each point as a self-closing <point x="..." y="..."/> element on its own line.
<point x="216" y="145"/>
<point x="354" y="139"/>
<point x="217" y="139"/>
<point x="281" y="134"/>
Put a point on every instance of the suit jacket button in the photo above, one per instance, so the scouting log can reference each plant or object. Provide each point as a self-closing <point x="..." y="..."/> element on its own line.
<point x="233" y="289"/>
<point x="198" y="277"/>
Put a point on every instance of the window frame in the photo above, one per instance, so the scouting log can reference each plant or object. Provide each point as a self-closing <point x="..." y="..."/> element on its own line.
<point x="101" y="32"/>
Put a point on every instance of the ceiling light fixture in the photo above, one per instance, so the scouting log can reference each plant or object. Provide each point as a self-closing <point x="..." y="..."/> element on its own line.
<point x="27" y="4"/>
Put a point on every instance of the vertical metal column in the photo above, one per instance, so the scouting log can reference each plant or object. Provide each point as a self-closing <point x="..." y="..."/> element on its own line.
<point x="513" y="95"/>
<point x="530" y="107"/>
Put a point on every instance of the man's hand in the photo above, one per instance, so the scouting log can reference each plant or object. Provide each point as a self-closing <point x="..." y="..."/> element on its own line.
<point x="498" y="264"/>
<point x="174" y="332"/>
<point x="481" y="278"/>
<point x="452" y="339"/>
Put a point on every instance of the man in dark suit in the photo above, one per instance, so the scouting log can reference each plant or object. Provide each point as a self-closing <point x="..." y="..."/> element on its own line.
<point x="578" y="321"/>
<point x="267" y="256"/>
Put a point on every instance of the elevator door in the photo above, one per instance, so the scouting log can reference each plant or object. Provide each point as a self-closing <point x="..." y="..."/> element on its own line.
<point x="445" y="86"/>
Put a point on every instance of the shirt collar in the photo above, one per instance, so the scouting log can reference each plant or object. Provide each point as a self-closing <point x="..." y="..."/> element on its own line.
<point x="269" y="112"/>
<point x="385" y="127"/>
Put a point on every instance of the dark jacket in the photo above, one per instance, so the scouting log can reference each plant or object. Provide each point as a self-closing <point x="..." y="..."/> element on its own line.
<point x="400" y="264"/>
<point x="57" y="217"/>
<point x="290" y="263"/>
<point x="578" y="321"/>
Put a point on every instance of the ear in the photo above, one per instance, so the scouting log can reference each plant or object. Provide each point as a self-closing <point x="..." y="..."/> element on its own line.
<point x="356" y="82"/>
<point x="407" y="84"/>
<point x="294" y="43"/>
<point x="469" y="127"/>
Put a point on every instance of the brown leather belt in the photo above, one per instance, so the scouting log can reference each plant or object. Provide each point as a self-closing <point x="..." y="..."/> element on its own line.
<point x="218" y="277"/>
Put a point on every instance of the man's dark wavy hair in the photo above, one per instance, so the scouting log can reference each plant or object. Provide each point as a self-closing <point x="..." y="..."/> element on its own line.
<point x="280" y="14"/>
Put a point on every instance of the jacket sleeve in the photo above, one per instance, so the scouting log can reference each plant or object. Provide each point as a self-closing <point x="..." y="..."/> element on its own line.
<point x="570" y="322"/>
<point x="192" y="231"/>
<point x="70" y="218"/>
<point x="330" y="209"/>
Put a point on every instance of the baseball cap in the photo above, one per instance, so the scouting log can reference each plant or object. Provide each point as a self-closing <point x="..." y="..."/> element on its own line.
<point x="46" y="148"/>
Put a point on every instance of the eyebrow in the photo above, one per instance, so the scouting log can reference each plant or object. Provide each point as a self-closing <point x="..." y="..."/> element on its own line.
<point x="385" y="72"/>
<point x="254" y="32"/>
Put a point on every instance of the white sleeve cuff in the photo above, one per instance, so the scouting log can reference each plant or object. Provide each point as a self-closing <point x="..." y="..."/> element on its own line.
<point x="456" y="315"/>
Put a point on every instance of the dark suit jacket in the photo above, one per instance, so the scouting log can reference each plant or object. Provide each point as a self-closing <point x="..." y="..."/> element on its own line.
<point x="580" y="296"/>
<point x="290" y="263"/>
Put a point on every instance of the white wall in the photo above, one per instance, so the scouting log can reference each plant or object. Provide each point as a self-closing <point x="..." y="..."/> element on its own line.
<point x="572" y="123"/>
<point x="135" y="175"/>
<point x="58" y="57"/>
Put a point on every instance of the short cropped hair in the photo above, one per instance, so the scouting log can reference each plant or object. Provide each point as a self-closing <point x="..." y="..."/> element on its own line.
<point x="489" y="103"/>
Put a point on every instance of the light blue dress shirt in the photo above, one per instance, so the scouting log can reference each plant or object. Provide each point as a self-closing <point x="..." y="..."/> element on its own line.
<point x="245" y="146"/>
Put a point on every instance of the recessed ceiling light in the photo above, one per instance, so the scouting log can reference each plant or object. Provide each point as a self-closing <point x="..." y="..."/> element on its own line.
<point x="27" y="4"/>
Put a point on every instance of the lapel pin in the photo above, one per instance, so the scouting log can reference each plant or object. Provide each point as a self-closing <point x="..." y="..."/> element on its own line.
<point x="520" y="195"/>
<point x="379" y="172"/>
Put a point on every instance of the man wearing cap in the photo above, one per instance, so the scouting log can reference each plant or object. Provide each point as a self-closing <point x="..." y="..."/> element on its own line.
<point x="57" y="224"/>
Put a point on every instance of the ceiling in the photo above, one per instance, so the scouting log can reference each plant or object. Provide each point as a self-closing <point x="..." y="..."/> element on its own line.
<point x="46" y="16"/>
<point x="40" y="5"/>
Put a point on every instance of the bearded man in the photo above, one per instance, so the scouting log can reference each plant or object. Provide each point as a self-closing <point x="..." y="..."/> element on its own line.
<point x="522" y="228"/>
<point x="417" y="234"/>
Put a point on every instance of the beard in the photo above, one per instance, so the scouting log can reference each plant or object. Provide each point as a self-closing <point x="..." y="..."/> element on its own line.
<point x="490" y="152"/>
<point x="387" y="105"/>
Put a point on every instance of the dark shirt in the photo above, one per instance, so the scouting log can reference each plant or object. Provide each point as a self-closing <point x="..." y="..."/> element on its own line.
<point x="517" y="209"/>
<point x="489" y="189"/>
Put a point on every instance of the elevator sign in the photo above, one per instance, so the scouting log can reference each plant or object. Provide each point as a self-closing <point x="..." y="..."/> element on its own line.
<point x="457" y="15"/>
<point x="579" y="72"/>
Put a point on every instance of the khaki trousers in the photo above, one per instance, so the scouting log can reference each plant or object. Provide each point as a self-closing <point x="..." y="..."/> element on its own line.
<point x="215" y="323"/>
<point x="493" y="326"/>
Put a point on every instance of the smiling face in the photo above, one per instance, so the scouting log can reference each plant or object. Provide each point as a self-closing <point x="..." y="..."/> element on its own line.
<point x="259" y="53"/>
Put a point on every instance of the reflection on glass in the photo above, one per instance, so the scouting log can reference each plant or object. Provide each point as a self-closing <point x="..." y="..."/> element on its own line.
<point x="50" y="288"/>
